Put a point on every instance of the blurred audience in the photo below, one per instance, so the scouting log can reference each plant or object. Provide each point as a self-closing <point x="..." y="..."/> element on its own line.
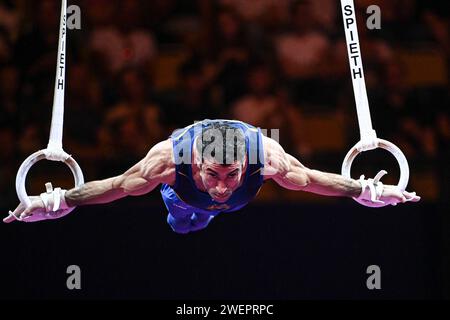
<point x="259" y="106"/>
<point x="132" y="125"/>
<point x="118" y="38"/>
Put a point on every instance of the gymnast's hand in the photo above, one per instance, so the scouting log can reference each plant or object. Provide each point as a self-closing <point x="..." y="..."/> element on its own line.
<point x="374" y="193"/>
<point x="49" y="205"/>
<point x="393" y="195"/>
<point x="36" y="209"/>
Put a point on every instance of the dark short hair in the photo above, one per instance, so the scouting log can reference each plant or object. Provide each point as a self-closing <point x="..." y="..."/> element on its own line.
<point x="230" y="149"/>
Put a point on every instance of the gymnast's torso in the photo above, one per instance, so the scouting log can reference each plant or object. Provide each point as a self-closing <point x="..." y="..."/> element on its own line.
<point x="185" y="195"/>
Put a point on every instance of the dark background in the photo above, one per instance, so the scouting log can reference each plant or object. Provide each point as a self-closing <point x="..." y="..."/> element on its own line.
<point x="272" y="252"/>
<point x="139" y="69"/>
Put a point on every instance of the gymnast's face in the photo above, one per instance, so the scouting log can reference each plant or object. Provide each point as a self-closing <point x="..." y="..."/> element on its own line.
<point x="220" y="181"/>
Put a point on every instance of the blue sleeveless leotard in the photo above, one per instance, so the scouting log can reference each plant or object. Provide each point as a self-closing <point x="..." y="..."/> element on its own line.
<point x="191" y="209"/>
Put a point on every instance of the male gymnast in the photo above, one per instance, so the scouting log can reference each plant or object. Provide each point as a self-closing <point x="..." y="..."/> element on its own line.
<point x="207" y="168"/>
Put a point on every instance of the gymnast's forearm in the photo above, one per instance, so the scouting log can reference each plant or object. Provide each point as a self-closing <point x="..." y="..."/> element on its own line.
<point x="330" y="184"/>
<point x="294" y="175"/>
<point x="94" y="192"/>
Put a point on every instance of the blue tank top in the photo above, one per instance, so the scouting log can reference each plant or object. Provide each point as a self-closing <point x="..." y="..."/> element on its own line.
<point x="185" y="188"/>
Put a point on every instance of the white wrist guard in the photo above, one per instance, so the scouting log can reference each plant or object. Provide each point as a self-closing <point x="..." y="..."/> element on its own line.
<point x="371" y="191"/>
<point x="55" y="202"/>
<point x="54" y="199"/>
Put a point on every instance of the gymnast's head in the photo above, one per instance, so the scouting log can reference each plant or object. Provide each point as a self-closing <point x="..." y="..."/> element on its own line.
<point x="221" y="158"/>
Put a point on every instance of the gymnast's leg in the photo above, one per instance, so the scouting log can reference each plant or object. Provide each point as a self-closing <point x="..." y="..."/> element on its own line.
<point x="179" y="223"/>
<point x="182" y="222"/>
<point x="200" y="221"/>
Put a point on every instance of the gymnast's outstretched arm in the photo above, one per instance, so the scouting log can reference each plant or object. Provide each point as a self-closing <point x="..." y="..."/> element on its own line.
<point x="289" y="173"/>
<point x="155" y="168"/>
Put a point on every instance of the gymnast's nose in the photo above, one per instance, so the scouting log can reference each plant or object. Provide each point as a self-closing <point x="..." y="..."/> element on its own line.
<point x="221" y="187"/>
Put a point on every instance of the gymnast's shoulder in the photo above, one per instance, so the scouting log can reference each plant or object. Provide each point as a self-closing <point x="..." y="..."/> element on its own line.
<point x="159" y="163"/>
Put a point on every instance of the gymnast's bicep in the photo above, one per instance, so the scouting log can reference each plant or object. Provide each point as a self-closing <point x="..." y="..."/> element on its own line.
<point x="283" y="168"/>
<point x="157" y="167"/>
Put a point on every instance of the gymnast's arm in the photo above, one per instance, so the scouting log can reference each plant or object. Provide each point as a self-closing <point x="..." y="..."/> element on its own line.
<point x="155" y="168"/>
<point x="289" y="173"/>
